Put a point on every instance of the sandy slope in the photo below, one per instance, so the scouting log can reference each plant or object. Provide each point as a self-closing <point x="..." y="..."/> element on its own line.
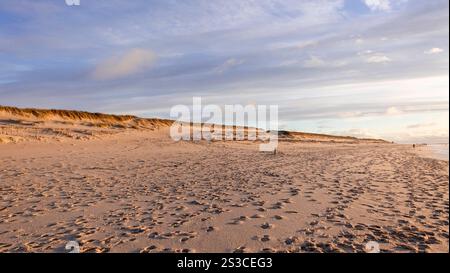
<point x="132" y="190"/>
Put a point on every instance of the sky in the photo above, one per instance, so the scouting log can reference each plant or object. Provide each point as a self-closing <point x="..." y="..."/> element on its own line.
<point x="365" y="68"/>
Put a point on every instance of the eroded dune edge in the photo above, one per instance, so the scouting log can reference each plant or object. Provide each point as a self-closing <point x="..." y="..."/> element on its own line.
<point x="121" y="184"/>
<point x="38" y="124"/>
<point x="18" y="124"/>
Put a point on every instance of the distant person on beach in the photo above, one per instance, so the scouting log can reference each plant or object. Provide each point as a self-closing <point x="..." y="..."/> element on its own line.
<point x="414" y="146"/>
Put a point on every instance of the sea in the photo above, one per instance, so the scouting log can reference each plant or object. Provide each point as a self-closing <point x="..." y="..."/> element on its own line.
<point x="440" y="151"/>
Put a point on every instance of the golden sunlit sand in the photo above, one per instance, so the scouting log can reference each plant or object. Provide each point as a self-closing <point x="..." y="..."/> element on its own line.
<point x="121" y="184"/>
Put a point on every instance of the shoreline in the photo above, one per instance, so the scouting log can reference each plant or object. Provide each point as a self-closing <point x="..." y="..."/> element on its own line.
<point x="434" y="151"/>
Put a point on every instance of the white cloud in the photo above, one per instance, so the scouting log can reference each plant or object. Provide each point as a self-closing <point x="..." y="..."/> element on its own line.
<point x="228" y="64"/>
<point x="378" y="58"/>
<point x="358" y="132"/>
<point x="421" y="125"/>
<point x="393" y="111"/>
<point x="316" y="62"/>
<point x="313" y="62"/>
<point x="359" y="41"/>
<point x="374" y="57"/>
<point x="353" y="114"/>
<point x="133" y="61"/>
<point x="306" y="44"/>
<point x="378" y="5"/>
<point x="434" y="50"/>
<point x="366" y="52"/>
<point x="289" y="63"/>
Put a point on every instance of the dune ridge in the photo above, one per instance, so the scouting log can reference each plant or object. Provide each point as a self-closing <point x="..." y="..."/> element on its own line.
<point x="72" y="115"/>
<point x="20" y="124"/>
<point x="23" y="124"/>
<point x="324" y="137"/>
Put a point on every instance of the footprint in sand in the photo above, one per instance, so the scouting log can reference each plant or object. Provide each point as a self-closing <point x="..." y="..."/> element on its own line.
<point x="268" y="250"/>
<point x="149" y="249"/>
<point x="241" y="249"/>
<point x="292" y="240"/>
<point x="211" y="229"/>
<point x="267" y="226"/>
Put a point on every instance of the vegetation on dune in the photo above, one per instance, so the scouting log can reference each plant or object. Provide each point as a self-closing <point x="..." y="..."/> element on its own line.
<point x="50" y="114"/>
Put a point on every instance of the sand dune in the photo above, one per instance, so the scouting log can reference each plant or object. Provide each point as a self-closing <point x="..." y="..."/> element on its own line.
<point x="80" y="176"/>
<point x="18" y="124"/>
<point x="38" y="124"/>
<point x="301" y="136"/>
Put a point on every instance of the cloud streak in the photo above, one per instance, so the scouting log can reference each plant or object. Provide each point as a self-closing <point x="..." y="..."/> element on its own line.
<point x="132" y="62"/>
<point x="383" y="5"/>
<point x="434" y="50"/>
<point x="227" y="65"/>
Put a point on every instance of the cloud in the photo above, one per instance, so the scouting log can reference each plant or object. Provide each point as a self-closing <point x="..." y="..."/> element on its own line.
<point x="378" y="58"/>
<point x="393" y="111"/>
<point x="227" y="65"/>
<point x="365" y="53"/>
<point x="351" y="114"/>
<point x="374" y="57"/>
<point x="357" y="132"/>
<point x="305" y="44"/>
<point x="378" y="5"/>
<point x="313" y="62"/>
<point x="434" y="50"/>
<point x="133" y="61"/>
<point x="421" y="125"/>
<point x="359" y="41"/>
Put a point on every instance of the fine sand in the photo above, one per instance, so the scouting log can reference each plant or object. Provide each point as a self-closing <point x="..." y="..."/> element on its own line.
<point x="131" y="188"/>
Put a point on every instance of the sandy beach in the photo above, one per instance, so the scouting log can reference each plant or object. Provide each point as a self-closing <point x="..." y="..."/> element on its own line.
<point x="124" y="189"/>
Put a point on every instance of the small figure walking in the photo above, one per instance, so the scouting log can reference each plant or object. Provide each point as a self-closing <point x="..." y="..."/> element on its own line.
<point x="414" y="146"/>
